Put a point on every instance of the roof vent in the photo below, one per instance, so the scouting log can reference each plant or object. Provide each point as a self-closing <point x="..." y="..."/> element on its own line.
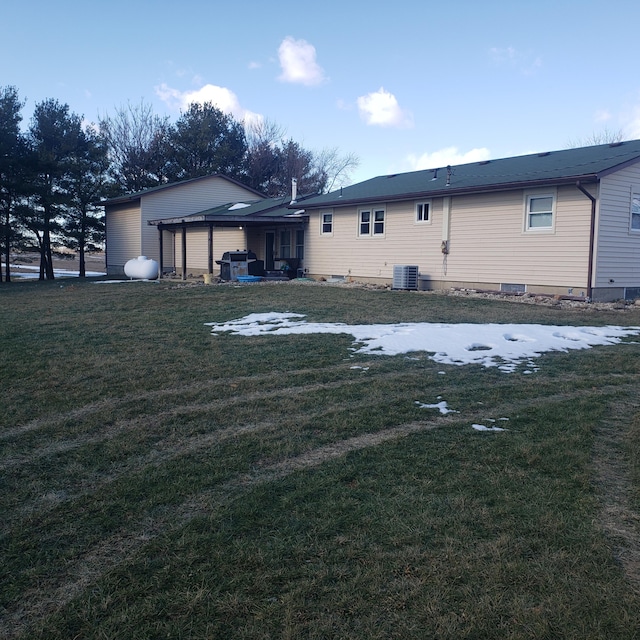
<point x="393" y="175"/>
<point x="483" y="162"/>
<point x="616" y="144"/>
<point x="544" y="154"/>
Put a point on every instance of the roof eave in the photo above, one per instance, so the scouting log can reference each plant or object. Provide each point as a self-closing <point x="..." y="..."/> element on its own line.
<point x="452" y="190"/>
<point x="228" y="220"/>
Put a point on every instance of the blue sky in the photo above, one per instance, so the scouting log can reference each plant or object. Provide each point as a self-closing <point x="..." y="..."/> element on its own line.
<point x="403" y="85"/>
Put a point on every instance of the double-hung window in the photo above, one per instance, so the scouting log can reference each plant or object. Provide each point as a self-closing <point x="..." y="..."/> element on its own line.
<point x="300" y="243"/>
<point x="326" y="223"/>
<point x="285" y="244"/>
<point x="635" y="212"/>
<point x="539" y="212"/>
<point x="423" y="211"/>
<point x="371" y="221"/>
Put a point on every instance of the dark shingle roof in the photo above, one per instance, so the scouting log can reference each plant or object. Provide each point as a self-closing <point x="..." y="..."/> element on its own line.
<point x="555" y="167"/>
<point x="239" y="212"/>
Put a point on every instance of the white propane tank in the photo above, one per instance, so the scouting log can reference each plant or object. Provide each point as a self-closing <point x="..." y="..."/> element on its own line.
<point x="142" y="268"/>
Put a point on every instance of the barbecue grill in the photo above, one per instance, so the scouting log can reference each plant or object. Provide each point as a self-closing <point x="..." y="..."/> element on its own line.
<point x="239" y="263"/>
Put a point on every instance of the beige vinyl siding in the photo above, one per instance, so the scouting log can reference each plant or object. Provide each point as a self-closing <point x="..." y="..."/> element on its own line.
<point x="489" y="242"/>
<point x="198" y="249"/>
<point x="227" y="239"/>
<point x="123" y="236"/>
<point x="404" y="242"/>
<point x="186" y="199"/>
<point x="618" y="248"/>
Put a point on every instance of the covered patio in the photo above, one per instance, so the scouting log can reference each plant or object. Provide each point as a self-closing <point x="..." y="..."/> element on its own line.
<point x="268" y="228"/>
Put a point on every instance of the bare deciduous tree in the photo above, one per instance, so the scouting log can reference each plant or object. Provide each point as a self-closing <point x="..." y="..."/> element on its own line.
<point x="605" y="136"/>
<point x="137" y="141"/>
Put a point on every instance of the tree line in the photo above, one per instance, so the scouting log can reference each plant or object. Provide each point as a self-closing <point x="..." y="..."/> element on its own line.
<point x="54" y="173"/>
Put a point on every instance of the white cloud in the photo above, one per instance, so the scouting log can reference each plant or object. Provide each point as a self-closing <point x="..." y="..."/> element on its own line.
<point x="446" y="156"/>
<point x="298" y="63"/>
<point x="221" y="97"/>
<point x="381" y="108"/>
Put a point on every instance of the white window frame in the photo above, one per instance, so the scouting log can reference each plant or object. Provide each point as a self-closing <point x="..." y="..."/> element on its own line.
<point x="374" y="221"/>
<point x="322" y="223"/>
<point x="536" y="195"/>
<point x="285" y="247"/>
<point x="299" y="246"/>
<point x="419" y="211"/>
<point x="634" y="212"/>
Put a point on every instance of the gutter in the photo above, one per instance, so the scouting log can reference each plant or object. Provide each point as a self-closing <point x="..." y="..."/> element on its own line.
<point x="452" y="190"/>
<point x="592" y="234"/>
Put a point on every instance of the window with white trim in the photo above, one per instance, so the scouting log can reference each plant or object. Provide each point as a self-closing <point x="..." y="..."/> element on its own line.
<point x="300" y="243"/>
<point x="285" y="244"/>
<point x="371" y="222"/>
<point x="326" y="223"/>
<point x="635" y="212"/>
<point x="539" y="212"/>
<point x="423" y="211"/>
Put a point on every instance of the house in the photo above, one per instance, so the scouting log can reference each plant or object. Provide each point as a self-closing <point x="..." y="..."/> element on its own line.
<point x="562" y="222"/>
<point x="185" y="226"/>
<point x="127" y="217"/>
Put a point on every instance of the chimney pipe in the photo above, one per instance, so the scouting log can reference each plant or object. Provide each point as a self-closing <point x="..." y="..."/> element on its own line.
<point x="294" y="190"/>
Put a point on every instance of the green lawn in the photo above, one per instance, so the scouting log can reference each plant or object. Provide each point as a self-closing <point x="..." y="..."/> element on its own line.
<point x="161" y="482"/>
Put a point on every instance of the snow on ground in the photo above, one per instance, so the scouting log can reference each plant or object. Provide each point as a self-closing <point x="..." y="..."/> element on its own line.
<point x="505" y="346"/>
<point x="29" y="272"/>
<point x="441" y="406"/>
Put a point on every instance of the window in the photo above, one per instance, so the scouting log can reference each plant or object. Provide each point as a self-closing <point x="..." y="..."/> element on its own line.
<point x="285" y="244"/>
<point x="365" y="223"/>
<point x="423" y="212"/>
<point x="371" y="222"/>
<point x="326" y="223"/>
<point x="635" y="211"/>
<point x="300" y="244"/>
<point x="539" y="212"/>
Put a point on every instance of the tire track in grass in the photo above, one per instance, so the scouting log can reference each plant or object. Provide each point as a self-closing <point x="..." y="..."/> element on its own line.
<point x="111" y="405"/>
<point x="121" y="426"/>
<point x="163" y="451"/>
<point x="619" y="519"/>
<point x="89" y="567"/>
<point x="69" y="583"/>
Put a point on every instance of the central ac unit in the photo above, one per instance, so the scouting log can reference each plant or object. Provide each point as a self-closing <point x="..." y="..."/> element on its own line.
<point x="405" y="276"/>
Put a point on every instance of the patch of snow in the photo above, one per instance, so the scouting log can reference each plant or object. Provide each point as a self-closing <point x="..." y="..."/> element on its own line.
<point x="29" y="272"/>
<point x="441" y="406"/>
<point x="481" y="427"/>
<point x="505" y="346"/>
<point x="239" y="205"/>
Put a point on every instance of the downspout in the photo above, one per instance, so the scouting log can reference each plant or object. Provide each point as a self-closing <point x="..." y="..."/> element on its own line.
<point x="592" y="235"/>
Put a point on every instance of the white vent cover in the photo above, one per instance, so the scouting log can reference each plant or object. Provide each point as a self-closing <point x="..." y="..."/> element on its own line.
<point x="405" y="276"/>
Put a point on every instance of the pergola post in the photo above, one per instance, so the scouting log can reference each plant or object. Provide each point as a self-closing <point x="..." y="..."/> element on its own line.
<point x="160" y="260"/>
<point x="184" y="252"/>
<point x="210" y="245"/>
